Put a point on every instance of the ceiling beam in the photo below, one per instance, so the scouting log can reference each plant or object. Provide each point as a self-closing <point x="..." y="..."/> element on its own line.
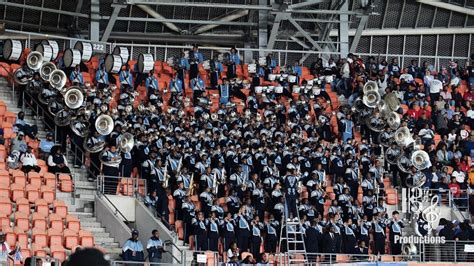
<point x="304" y="33"/>
<point x="150" y="11"/>
<point x="111" y="23"/>
<point x="44" y="9"/>
<point x="216" y="39"/>
<point x="355" y="42"/>
<point x="306" y="4"/>
<point x="444" y="5"/>
<point x="185" y="21"/>
<point x="274" y="31"/>
<point x="200" y="4"/>
<point x="408" y="31"/>
<point x="228" y="18"/>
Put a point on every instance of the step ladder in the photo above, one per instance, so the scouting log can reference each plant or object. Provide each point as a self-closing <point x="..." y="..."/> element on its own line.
<point x="292" y="238"/>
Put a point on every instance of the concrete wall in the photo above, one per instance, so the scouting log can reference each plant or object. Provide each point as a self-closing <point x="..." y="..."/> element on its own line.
<point x="113" y="222"/>
<point x="146" y="222"/>
<point x="126" y="205"/>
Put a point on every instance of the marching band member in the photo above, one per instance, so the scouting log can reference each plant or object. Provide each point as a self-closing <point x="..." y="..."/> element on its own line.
<point x="228" y="231"/>
<point x="213" y="233"/>
<point x="215" y="71"/>
<point x="256" y="239"/>
<point x="133" y="249"/>
<point x="189" y="216"/>
<point x="76" y="77"/>
<point x="243" y="232"/>
<point x="176" y="85"/>
<point x="379" y="235"/>
<point x="201" y="233"/>
<point x="198" y="87"/>
<point x="395" y="227"/>
<point x="151" y="82"/>
<point x="181" y="68"/>
<point x="234" y="59"/>
<point x="206" y="199"/>
<point x="271" y="236"/>
<point x="291" y="193"/>
<point x="102" y="78"/>
<point x="154" y="247"/>
<point x="349" y="237"/>
<point x="179" y="195"/>
<point x="110" y="169"/>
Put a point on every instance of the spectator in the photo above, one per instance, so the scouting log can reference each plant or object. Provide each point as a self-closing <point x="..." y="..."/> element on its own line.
<point x="29" y="162"/>
<point x="18" y="143"/>
<point x="22" y="126"/>
<point x="5" y="250"/>
<point x="46" y="145"/>
<point x="133" y="249"/>
<point x="87" y="256"/>
<point x="233" y="253"/>
<point x="57" y="162"/>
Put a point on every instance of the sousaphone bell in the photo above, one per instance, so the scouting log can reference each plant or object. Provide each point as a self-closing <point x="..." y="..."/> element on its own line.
<point x="57" y="79"/>
<point x="420" y="160"/>
<point x="46" y="70"/>
<point x="104" y="124"/>
<point x="34" y="60"/>
<point x="74" y="98"/>
<point x="126" y="142"/>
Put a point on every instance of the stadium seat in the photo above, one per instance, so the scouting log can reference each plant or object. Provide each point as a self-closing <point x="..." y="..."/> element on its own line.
<point x="34" y="179"/>
<point x="71" y="238"/>
<point x="39" y="250"/>
<point x="23" y="205"/>
<point x="50" y="180"/>
<point x="17" y="191"/>
<point x="22" y="221"/>
<point x="39" y="237"/>
<point x="5" y="206"/>
<point x="55" y="237"/>
<point x="47" y="194"/>
<point x="56" y="222"/>
<point x="42" y="207"/>
<point x="22" y="238"/>
<point x="32" y="193"/>
<point x="10" y="236"/>
<point x="58" y="253"/>
<point x="38" y="221"/>
<point x="73" y="223"/>
<point x="86" y="238"/>
<point x="60" y="208"/>
<point x="65" y="183"/>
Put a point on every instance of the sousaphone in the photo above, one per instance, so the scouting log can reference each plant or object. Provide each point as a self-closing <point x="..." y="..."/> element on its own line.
<point x="104" y="124"/>
<point x="126" y="142"/>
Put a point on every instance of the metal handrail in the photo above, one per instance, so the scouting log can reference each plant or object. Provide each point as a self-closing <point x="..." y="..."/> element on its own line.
<point x="182" y="253"/>
<point x="116" y="210"/>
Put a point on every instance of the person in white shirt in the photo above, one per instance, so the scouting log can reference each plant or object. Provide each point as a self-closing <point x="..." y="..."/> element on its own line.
<point x="5" y="249"/>
<point x="233" y="253"/>
<point x="426" y="135"/>
<point x="28" y="161"/>
<point x="460" y="177"/>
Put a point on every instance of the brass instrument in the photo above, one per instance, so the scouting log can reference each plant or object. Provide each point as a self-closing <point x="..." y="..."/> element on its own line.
<point x="403" y="137"/>
<point x="371" y="99"/>
<point x="62" y="118"/>
<point x="80" y="128"/>
<point x="95" y="148"/>
<point x="46" y="70"/>
<point x="74" y="97"/>
<point x="392" y="155"/>
<point x="22" y="76"/>
<point x="57" y="79"/>
<point x="126" y="142"/>
<point x="104" y="124"/>
<point x="370" y="86"/>
<point x="191" y="186"/>
<point x="214" y="183"/>
<point x="420" y="159"/>
<point x="115" y="162"/>
<point x="34" y="60"/>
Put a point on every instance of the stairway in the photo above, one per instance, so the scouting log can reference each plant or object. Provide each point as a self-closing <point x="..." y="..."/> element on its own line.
<point x="80" y="202"/>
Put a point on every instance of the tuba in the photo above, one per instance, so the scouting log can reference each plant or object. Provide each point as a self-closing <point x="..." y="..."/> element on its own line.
<point x="415" y="180"/>
<point x="420" y="159"/>
<point x="392" y="101"/>
<point x="46" y="70"/>
<point x="404" y="164"/>
<point x="34" y="60"/>
<point x="80" y="128"/>
<point x="22" y="76"/>
<point x="392" y="155"/>
<point x="57" y="79"/>
<point x="126" y="142"/>
<point x="375" y="123"/>
<point x="403" y="136"/>
<point x="74" y="97"/>
<point x="370" y="86"/>
<point x="93" y="148"/>
<point x="393" y="120"/>
<point x="62" y="118"/>
<point x="112" y="163"/>
<point x="104" y="124"/>
<point x="385" y="138"/>
<point x="371" y="99"/>
<point x="409" y="249"/>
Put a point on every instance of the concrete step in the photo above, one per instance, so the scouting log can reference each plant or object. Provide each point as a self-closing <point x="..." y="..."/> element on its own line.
<point x="90" y="224"/>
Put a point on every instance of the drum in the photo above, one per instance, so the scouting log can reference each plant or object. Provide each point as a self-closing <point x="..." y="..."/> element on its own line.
<point x="296" y="89"/>
<point x="86" y="50"/>
<point x="46" y="50"/>
<point x="262" y="61"/>
<point x="252" y="68"/>
<point x="12" y="50"/>
<point x="145" y="63"/>
<point x="279" y="89"/>
<point x="272" y="77"/>
<point x="123" y="53"/>
<point x="291" y="79"/>
<point x="72" y="57"/>
<point x="310" y="82"/>
<point x="258" y="89"/>
<point x="206" y="65"/>
<point x="54" y="45"/>
<point x="270" y="89"/>
<point x="113" y="63"/>
<point x="283" y="77"/>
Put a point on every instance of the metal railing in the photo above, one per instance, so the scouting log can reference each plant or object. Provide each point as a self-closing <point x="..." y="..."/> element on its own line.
<point x="125" y="186"/>
<point x="451" y="251"/>
<point x="182" y="253"/>
<point x="162" y="52"/>
<point x="332" y="258"/>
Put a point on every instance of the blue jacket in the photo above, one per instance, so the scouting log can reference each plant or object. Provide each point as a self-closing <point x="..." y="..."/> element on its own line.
<point x="126" y="77"/>
<point x="152" y="82"/>
<point x="199" y="57"/>
<point x="184" y="63"/>
<point x="102" y="77"/>
<point x="234" y="58"/>
<point x="76" y="75"/>
<point x="176" y="84"/>
<point x="199" y="82"/>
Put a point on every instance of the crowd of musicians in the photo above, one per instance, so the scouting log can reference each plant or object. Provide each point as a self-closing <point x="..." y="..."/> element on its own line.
<point x="249" y="169"/>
